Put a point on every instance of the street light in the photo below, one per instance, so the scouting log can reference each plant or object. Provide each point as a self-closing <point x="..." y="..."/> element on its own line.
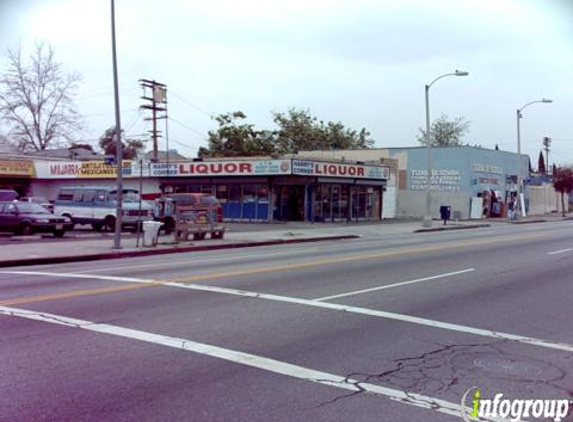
<point x="428" y="216"/>
<point x="519" y="117"/>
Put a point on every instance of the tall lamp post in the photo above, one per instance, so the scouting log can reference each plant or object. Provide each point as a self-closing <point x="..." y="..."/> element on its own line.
<point x="118" y="144"/>
<point x="519" y="117"/>
<point x="428" y="215"/>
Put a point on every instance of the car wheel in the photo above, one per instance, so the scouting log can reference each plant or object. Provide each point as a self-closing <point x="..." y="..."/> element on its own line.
<point x="59" y="233"/>
<point x="217" y="235"/>
<point x="199" y="236"/>
<point x="97" y="227"/>
<point x="71" y="219"/>
<point x="109" y="223"/>
<point x="25" y="229"/>
<point x="169" y="226"/>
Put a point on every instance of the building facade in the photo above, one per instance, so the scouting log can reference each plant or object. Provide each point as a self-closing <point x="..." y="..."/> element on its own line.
<point x="458" y="175"/>
<point x="254" y="189"/>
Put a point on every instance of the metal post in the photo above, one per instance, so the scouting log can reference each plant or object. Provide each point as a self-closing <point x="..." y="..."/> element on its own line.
<point x="139" y="222"/>
<point x="519" y="117"/>
<point x="518" y="176"/>
<point x="118" y="143"/>
<point x="428" y="216"/>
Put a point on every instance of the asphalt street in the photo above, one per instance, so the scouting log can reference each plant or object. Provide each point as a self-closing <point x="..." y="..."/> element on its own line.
<point x="383" y="328"/>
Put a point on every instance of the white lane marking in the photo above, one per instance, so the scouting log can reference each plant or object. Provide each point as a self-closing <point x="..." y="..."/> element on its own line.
<point x="327" y="305"/>
<point x="560" y="251"/>
<point x="390" y="286"/>
<point x="247" y="359"/>
<point x="190" y="261"/>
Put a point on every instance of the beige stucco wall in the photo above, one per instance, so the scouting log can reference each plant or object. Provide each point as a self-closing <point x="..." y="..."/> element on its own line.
<point x="545" y="200"/>
<point x="412" y="204"/>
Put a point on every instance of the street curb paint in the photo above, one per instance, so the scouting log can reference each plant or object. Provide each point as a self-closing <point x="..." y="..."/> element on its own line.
<point x="135" y="254"/>
<point x="441" y="229"/>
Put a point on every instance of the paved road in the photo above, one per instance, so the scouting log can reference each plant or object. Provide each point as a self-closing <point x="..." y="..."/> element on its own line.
<point x="384" y="328"/>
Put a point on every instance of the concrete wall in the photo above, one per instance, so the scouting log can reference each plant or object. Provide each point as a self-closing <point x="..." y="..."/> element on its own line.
<point x="545" y="200"/>
<point x="413" y="203"/>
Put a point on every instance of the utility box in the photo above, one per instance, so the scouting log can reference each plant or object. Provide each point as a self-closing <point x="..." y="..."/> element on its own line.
<point x="445" y="213"/>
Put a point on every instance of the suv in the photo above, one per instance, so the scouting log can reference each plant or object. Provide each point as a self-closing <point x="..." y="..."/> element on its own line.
<point x="199" y="213"/>
<point x="26" y="218"/>
<point x="8" y="195"/>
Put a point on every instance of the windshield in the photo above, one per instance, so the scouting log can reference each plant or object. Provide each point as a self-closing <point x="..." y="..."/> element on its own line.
<point x="29" y="207"/>
<point x="128" y="196"/>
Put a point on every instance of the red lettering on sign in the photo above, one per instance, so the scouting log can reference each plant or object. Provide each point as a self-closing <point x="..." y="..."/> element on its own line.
<point x="352" y="171"/>
<point x="360" y="171"/>
<point x="332" y="170"/>
<point x="245" y="168"/>
<point x="216" y="168"/>
<point x="230" y="168"/>
<point x="183" y="170"/>
<point x="202" y="168"/>
<point x="343" y="170"/>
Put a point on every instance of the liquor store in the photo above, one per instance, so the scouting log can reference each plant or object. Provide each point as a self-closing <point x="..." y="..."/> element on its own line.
<point x="281" y="189"/>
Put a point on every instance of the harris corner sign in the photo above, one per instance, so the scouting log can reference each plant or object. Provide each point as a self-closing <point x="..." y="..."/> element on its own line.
<point x="279" y="167"/>
<point x="331" y="169"/>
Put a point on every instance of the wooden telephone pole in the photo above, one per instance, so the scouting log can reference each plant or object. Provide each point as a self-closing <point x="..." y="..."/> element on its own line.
<point x="156" y="94"/>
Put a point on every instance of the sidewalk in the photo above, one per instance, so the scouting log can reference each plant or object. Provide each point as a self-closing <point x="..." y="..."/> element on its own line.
<point x="238" y="235"/>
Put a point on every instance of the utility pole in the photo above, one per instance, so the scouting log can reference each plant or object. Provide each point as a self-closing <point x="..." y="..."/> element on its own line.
<point x="547" y="144"/>
<point x="156" y="94"/>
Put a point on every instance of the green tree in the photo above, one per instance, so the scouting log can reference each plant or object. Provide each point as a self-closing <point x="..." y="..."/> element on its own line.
<point x="541" y="164"/>
<point x="36" y="100"/>
<point x="563" y="183"/>
<point x="233" y="138"/>
<point x="299" y="130"/>
<point x="445" y="132"/>
<point x="131" y="147"/>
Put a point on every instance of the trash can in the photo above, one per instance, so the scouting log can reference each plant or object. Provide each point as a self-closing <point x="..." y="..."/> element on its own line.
<point x="445" y="212"/>
<point x="151" y="233"/>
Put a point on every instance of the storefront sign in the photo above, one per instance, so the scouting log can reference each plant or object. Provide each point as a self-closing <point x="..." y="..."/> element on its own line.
<point x="442" y="180"/>
<point x="222" y="168"/>
<point x="319" y="168"/>
<point x="485" y="168"/>
<point x="98" y="169"/>
<point x="487" y="181"/>
<point x="79" y="170"/>
<point x="16" y="168"/>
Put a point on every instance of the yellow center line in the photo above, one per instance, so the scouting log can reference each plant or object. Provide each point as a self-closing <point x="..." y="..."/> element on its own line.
<point x="239" y="273"/>
<point x="280" y="268"/>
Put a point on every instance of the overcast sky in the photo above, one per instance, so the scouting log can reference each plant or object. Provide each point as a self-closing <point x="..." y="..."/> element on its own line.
<point x="360" y="62"/>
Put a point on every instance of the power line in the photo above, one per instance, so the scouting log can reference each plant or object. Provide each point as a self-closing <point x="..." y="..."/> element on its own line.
<point x="188" y="128"/>
<point x="110" y="112"/>
<point x="180" y="98"/>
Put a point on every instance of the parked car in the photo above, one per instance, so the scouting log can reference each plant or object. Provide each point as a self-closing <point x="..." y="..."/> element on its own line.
<point x="26" y="218"/>
<point x="199" y="212"/>
<point x="96" y="205"/>
<point x="8" y="195"/>
<point x="40" y="200"/>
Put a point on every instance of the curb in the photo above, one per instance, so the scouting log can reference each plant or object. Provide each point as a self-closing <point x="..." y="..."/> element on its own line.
<point x="149" y="252"/>
<point x="441" y="229"/>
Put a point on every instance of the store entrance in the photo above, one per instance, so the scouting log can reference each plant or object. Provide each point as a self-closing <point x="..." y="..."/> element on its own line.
<point x="289" y="203"/>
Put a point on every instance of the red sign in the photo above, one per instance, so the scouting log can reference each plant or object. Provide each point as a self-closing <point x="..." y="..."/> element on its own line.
<point x="214" y="168"/>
